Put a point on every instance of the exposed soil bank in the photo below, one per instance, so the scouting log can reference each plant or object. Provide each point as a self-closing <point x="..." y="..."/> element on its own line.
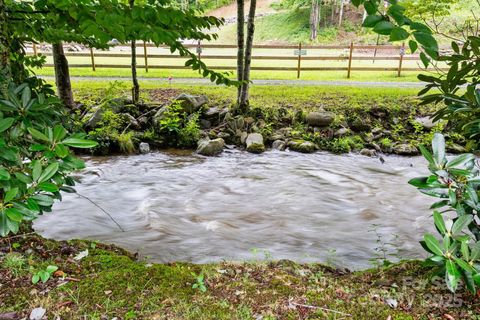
<point x="109" y="283"/>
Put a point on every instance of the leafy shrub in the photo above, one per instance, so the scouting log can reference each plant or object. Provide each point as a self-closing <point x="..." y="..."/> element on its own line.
<point x="35" y="159"/>
<point x="178" y="128"/>
<point x="457" y="183"/>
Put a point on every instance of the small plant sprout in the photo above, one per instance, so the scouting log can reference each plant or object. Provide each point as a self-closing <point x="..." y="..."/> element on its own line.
<point x="44" y="275"/>
<point x="200" y="282"/>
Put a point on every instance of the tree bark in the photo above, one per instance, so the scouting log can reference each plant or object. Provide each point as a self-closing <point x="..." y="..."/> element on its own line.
<point x="340" y="15"/>
<point x="248" y="55"/>
<point x="314" y="19"/>
<point x="240" y="44"/>
<point x="62" y="75"/>
<point x="136" y="86"/>
<point x="5" y="72"/>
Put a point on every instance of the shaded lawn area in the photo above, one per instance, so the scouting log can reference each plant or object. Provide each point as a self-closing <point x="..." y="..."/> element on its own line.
<point x="109" y="282"/>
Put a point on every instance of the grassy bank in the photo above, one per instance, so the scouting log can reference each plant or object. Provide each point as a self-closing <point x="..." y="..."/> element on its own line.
<point x="109" y="282"/>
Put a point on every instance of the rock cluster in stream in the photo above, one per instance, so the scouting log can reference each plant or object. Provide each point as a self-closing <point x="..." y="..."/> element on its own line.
<point x="221" y="128"/>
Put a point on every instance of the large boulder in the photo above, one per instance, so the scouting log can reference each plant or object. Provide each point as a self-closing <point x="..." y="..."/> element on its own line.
<point x="144" y="147"/>
<point x="405" y="149"/>
<point x="320" y="119"/>
<point x="302" y="146"/>
<point x="426" y="122"/>
<point x="209" y="147"/>
<point x="92" y="118"/>
<point x="255" y="143"/>
<point x="190" y="103"/>
<point x="279" y="145"/>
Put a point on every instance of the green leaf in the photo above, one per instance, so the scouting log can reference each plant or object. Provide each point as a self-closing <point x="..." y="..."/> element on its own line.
<point x="432" y="243"/>
<point x="4" y="174"/>
<point x="427" y="155"/>
<point x="461" y="223"/>
<point x="371" y="21"/>
<point x="79" y="143"/>
<point x="48" y="187"/>
<point x="383" y="27"/>
<point x="438" y="147"/>
<point x="35" y="278"/>
<point x="399" y="34"/>
<point x="36" y="169"/>
<point x="426" y="40"/>
<point x="49" y="172"/>
<point x="59" y="133"/>
<point x="51" y="269"/>
<point x="413" y="46"/>
<point x="26" y="96"/>
<point x="452" y="275"/>
<point x="460" y="160"/>
<point x="43" y="200"/>
<point x="44" y="275"/>
<point x="439" y="223"/>
<point x="61" y="151"/>
<point x="10" y="195"/>
<point x="14" y="214"/>
<point x="6" y="123"/>
<point x="425" y="60"/>
<point x="37" y="134"/>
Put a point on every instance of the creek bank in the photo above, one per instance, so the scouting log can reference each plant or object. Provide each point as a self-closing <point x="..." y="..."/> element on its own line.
<point x="185" y="120"/>
<point x="95" y="280"/>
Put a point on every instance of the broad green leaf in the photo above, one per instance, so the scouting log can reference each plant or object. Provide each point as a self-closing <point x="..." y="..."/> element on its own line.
<point x="383" y="27"/>
<point x="399" y="34"/>
<point x="61" y="151"/>
<point x="426" y="154"/>
<point x="35" y="278"/>
<point x="452" y="275"/>
<point x="413" y="46"/>
<point x="51" y="269"/>
<point x="36" y="169"/>
<point x="26" y="96"/>
<point x="14" y="214"/>
<point x="79" y="143"/>
<point x="432" y="243"/>
<point x="10" y="195"/>
<point x="461" y="223"/>
<point x="49" y="172"/>
<point x="460" y="160"/>
<point x="43" y="200"/>
<point x="438" y="147"/>
<point x="4" y="174"/>
<point x="37" y="134"/>
<point x="371" y="21"/>
<point x="6" y="123"/>
<point x="59" y="133"/>
<point x="439" y="223"/>
<point x="48" y="187"/>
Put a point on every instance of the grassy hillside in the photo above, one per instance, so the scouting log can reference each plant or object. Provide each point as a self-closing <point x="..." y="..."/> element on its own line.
<point x="290" y="24"/>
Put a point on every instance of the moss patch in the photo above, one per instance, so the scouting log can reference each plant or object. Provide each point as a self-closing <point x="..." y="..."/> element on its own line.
<point x="109" y="282"/>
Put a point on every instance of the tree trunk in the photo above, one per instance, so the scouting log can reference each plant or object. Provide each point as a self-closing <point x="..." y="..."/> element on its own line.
<point x="5" y="72"/>
<point x="248" y="55"/>
<point x="136" y="86"/>
<point x="314" y="21"/>
<point x="340" y="15"/>
<point x="62" y="75"/>
<point x="240" y="44"/>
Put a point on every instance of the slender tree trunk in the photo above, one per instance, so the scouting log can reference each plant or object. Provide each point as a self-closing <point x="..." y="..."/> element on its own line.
<point x="5" y="72"/>
<point x="136" y="86"/>
<point x="248" y="54"/>
<point x="240" y="43"/>
<point x="340" y="15"/>
<point x="314" y="19"/>
<point x="62" y="75"/>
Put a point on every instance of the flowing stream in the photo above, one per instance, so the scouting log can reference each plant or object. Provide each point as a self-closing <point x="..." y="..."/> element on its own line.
<point x="238" y="206"/>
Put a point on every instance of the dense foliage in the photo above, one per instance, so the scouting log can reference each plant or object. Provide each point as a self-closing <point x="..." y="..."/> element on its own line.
<point x="457" y="182"/>
<point x="35" y="158"/>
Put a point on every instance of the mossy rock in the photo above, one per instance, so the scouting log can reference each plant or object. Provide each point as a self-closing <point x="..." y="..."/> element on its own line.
<point x="302" y="146"/>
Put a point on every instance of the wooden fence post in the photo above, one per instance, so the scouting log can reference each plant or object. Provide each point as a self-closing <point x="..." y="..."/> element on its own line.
<point x="350" y="60"/>
<point x="299" y="59"/>
<point x="92" y="57"/>
<point x="199" y="50"/>
<point x="34" y="49"/>
<point x="402" y="53"/>
<point x="146" y="55"/>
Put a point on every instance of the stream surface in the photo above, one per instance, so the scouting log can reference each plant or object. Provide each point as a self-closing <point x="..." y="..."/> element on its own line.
<point x="238" y="206"/>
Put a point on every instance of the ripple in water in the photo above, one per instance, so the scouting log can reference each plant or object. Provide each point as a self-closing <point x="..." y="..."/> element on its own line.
<point x="293" y="206"/>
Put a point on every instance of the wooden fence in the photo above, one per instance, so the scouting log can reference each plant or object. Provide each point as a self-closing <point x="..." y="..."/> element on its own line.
<point x="299" y="54"/>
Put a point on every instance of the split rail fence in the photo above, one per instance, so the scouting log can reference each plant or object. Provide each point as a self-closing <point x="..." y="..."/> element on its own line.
<point x="299" y="55"/>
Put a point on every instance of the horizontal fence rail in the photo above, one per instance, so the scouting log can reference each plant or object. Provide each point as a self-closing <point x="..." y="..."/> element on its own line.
<point x="346" y="53"/>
